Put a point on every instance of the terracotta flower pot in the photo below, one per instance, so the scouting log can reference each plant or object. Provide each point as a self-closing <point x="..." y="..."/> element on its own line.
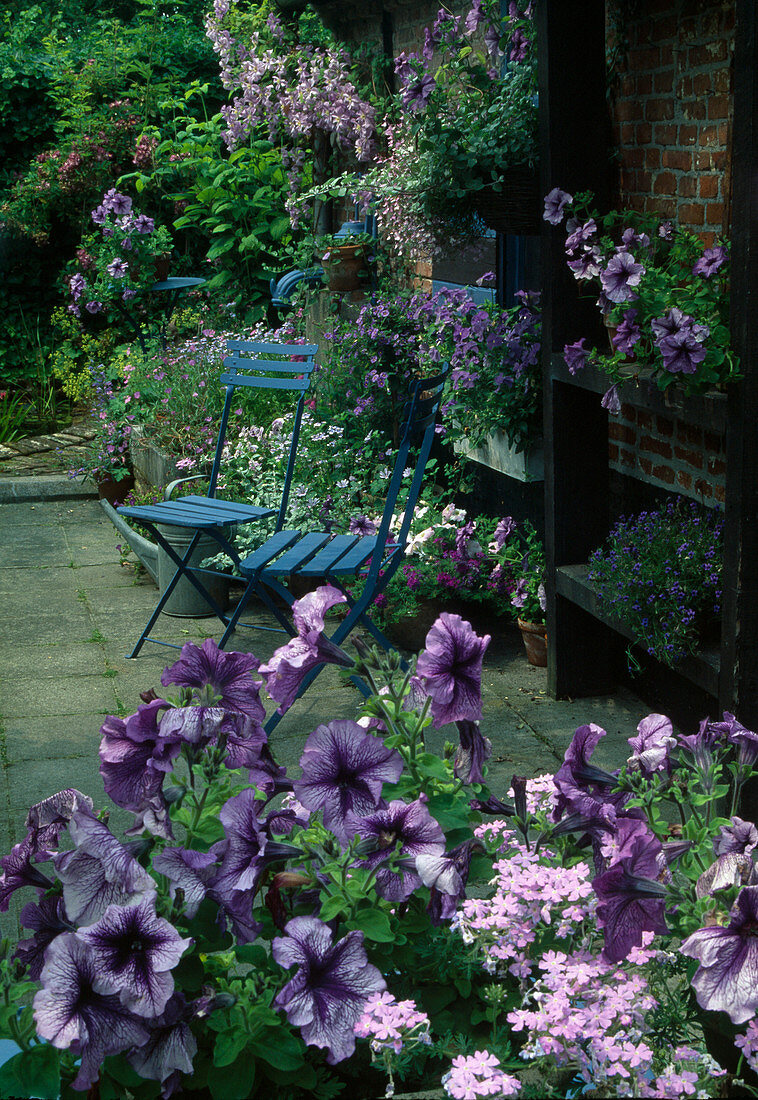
<point x="346" y="267"/>
<point x="535" y="642"/>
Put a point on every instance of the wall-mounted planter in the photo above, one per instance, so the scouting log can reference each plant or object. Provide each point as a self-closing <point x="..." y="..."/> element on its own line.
<point x="153" y="468"/>
<point x="498" y="454"/>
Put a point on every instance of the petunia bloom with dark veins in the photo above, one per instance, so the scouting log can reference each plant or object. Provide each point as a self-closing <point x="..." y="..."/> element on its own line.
<point x="405" y="828"/>
<point x="473" y="749"/>
<point x="135" y="951"/>
<point x="555" y="203"/>
<point x="737" y="836"/>
<point x="343" y="771"/>
<point x="48" y="818"/>
<point x="19" y="871"/>
<point x="577" y="779"/>
<point x="69" y="1013"/>
<point x="135" y="756"/>
<point x="99" y="872"/>
<point x="727" y="978"/>
<point x="652" y="745"/>
<point x="228" y="674"/>
<point x="328" y="992"/>
<point x="47" y="919"/>
<point x="630" y="899"/>
<point x="291" y="663"/>
<point x="170" y="1047"/>
<point x="450" y="668"/>
<point x="446" y="876"/>
<point x="188" y="871"/>
<point x="622" y="274"/>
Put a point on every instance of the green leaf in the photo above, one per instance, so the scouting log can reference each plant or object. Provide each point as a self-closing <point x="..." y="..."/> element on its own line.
<point x="235" y="1081"/>
<point x="33" y="1073"/>
<point x="280" y="1048"/>
<point x="229" y="1044"/>
<point x="374" y="923"/>
<point x="332" y="907"/>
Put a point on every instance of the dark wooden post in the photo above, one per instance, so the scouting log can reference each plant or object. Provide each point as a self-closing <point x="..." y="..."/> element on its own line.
<point x="739" y="657"/>
<point x="574" y="155"/>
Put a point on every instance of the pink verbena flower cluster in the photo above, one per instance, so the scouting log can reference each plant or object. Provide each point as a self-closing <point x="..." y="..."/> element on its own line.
<point x="531" y="898"/>
<point x="748" y="1044"/>
<point x="478" y="1075"/>
<point x="586" y="1012"/>
<point x="392" y="1025"/>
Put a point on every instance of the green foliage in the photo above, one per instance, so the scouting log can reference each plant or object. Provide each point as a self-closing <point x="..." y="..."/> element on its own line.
<point x="230" y="204"/>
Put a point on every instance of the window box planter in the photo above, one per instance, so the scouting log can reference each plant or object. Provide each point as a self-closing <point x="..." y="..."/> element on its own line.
<point x="498" y="454"/>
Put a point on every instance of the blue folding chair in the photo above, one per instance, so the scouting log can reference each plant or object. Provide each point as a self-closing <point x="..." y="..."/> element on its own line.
<point x="348" y="562"/>
<point x="253" y="365"/>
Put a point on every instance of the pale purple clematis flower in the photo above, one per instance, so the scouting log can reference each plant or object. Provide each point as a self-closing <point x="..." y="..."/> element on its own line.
<point x="329" y="990"/>
<point x="473" y="749"/>
<point x="134" y="951"/>
<point x="450" y="667"/>
<point x="473" y="18"/>
<point x="622" y="273"/>
<point x="726" y="979"/>
<point x="188" y="871"/>
<point x="555" y="203"/>
<point x="290" y="664"/>
<point x="229" y="675"/>
<point x="344" y="769"/>
<point x="170" y="1048"/>
<point x="401" y="827"/>
<point x="99" y="872"/>
<point x="652" y="745"/>
<point x="69" y="1013"/>
<point x="630" y="899"/>
<point x="575" y="356"/>
<point x="712" y="260"/>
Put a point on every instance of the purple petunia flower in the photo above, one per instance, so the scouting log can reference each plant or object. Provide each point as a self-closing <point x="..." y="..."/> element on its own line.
<point x="611" y="400"/>
<point x="581" y="787"/>
<point x="344" y="769"/>
<point x="77" y="285"/>
<point x="503" y="531"/>
<point x="575" y="356"/>
<point x="69" y="1013"/>
<point x="726" y="981"/>
<point x="135" y="755"/>
<point x="170" y="1047"/>
<point x="117" y="268"/>
<point x="99" y="872"/>
<point x="580" y="235"/>
<point x="622" y="273"/>
<point x="188" y="871"/>
<point x="712" y="260"/>
<point x="116" y="203"/>
<point x="328" y="992"/>
<point x="555" y="203"/>
<point x="19" y="871"/>
<point x="630" y="899"/>
<point x="587" y="264"/>
<point x="289" y="665"/>
<point x="745" y="740"/>
<point x="730" y="869"/>
<point x="450" y="668"/>
<point x="651" y="747"/>
<point x="628" y="333"/>
<point x="47" y="919"/>
<point x="737" y="836"/>
<point x="361" y="525"/>
<point x="404" y="827"/>
<point x="134" y="951"/>
<point x="473" y="749"/>
<point x="93" y="307"/>
<point x="682" y="353"/>
<point x="446" y="876"/>
<point x="228" y="674"/>
<point x="416" y="94"/>
<point x="474" y="17"/>
<point x="192" y="725"/>
<point x="47" y="819"/>
<point x="143" y="224"/>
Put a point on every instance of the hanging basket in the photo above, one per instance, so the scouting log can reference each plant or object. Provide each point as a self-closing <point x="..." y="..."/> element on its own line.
<point x="516" y="207"/>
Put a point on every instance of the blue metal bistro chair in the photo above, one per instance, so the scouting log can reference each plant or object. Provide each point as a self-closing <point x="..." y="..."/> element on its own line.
<point x="251" y="365"/>
<point x="360" y="566"/>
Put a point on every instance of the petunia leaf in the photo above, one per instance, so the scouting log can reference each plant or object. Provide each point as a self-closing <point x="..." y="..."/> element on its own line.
<point x="280" y="1048"/>
<point x="229" y="1045"/>
<point x="374" y="924"/>
<point x="34" y="1072"/>
<point x="235" y="1081"/>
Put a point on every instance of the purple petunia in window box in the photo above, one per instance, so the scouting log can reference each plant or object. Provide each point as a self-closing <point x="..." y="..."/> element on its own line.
<point x="663" y="294"/>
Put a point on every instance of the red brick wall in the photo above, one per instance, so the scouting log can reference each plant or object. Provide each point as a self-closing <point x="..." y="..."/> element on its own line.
<point x="669" y="453"/>
<point x="671" y="108"/>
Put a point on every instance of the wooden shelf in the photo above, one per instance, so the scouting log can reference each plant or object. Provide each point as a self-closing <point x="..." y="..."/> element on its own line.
<point x="701" y="668"/>
<point x="705" y="411"/>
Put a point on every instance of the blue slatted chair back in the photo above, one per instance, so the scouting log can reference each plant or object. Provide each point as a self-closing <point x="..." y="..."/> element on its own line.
<point x="256" y="364"/>
<point x="418" y="429"/>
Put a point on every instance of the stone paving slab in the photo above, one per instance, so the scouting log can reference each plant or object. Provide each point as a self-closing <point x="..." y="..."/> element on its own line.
<point x="56" y="685"/>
